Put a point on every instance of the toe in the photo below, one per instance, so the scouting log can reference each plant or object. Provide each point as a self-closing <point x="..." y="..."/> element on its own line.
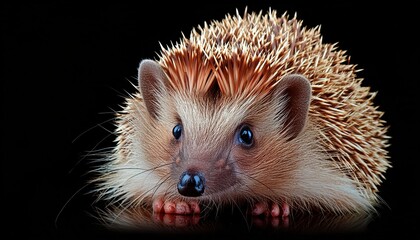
<point x="169" y="207"/>
<point x="195" y="208"/>
<point x="158" y="205"/>
<point x="182" y="208"/>
<point x="275" y="210"/>
<point x="285" y="210"/>
<point x="258" y="209"/>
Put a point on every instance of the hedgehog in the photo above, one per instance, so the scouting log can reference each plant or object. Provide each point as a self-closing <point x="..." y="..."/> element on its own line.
<point x="253" y="110"/>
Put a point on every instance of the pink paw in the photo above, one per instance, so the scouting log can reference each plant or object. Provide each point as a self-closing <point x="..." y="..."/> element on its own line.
<point x="272" y="210"/>
<point x="175" y="207"/>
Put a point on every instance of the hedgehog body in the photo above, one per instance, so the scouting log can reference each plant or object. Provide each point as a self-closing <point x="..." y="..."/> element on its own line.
<point x="254" y="108"/>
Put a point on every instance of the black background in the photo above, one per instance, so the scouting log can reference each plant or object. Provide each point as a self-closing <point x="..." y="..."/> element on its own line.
<point x="66" y="68"/>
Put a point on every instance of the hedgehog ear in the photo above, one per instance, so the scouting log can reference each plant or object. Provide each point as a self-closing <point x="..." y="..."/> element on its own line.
<point x="151" y="79"/>
<point x="295" y="93"/>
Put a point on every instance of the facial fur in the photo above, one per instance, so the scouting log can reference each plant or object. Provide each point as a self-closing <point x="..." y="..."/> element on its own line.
<point x="296" y="171"/>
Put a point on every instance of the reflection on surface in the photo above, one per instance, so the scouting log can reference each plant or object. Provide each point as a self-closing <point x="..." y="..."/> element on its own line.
<point x="143" y="220"/>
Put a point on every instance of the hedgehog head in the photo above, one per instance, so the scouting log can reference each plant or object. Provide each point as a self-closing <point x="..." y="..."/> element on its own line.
<point x="213" y="131"/>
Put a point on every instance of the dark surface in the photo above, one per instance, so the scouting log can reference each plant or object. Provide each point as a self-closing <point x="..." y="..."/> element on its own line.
<point x="66" y="67"/>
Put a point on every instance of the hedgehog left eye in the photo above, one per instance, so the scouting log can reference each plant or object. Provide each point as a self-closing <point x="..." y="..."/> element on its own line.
<point x="245" y="136"/>
<point x="176" y="131"/>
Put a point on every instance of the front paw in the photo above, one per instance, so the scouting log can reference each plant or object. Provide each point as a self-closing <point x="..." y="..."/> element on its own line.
<point x="273" y="210"/>
<point x="175" y="207"/>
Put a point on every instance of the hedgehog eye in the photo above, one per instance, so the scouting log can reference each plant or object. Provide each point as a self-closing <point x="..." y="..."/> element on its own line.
<point x="177" y="130"/>
<point x="245" y="136"/>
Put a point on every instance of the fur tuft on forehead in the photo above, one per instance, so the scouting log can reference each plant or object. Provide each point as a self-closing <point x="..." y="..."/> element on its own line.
<point x="241" y="55"/>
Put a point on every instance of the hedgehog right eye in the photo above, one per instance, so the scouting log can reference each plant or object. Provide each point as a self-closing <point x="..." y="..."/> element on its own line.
<point x="245" y="136"/>
<point x="176" y="131"/>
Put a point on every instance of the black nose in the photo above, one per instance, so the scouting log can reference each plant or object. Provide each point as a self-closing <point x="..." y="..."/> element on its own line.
<point x="191" y="184"/>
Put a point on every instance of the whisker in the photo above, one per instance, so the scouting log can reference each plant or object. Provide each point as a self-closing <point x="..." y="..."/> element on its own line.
<point x="143" y="171"/>
<point x="248" y="225"/>
<point x="124" y="208"/>
<point x="258" y="181"/>
<point x="160" y="184"/>
<point x="132" y="168"/>
<point x="67" y="202"/>
<point x="210" y="205"/>
<point x="135" y="201"/>
<point x="91" y="128"/>
<point x="88" y="154"/>
<point x="252" y="178"/>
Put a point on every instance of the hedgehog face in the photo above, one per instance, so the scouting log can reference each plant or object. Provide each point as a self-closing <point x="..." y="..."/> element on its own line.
<point x="215" y="142"/>
<point x="207" y="136"/>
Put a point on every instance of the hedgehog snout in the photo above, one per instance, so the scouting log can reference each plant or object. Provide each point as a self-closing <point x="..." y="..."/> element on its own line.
<point x="191" y="184"/>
